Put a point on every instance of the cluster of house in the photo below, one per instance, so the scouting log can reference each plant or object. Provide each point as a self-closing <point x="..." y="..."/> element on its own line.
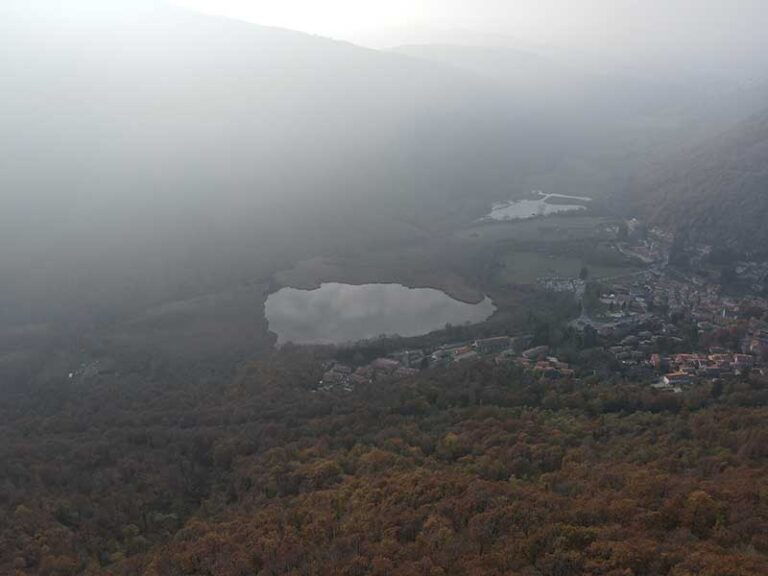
<point x="638" y="347"/>
<point x="405" y="363"/>
<point x="645" y="310"/>
<point x="344" y="377"/>
<point x="682" y="370"/>
<point x="654" y="293"/>
<point x="640" y="315"/>
<point x="463" y="352"/>
<point x="540" y="361"/>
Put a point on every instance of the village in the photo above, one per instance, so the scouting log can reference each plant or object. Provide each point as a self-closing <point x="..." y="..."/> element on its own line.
<point x="678" y="329"/>
<point x="667" y="329"/>
<point x="407" y="363"/>
<point x="682" y="332"/>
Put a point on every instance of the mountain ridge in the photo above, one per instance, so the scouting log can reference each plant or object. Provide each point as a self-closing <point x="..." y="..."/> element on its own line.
<point x="715" y="193"/>
<point x="144" y="131"/>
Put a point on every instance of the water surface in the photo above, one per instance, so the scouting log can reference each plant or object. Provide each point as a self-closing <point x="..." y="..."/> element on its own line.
<point x="543" y="205"/>
<point x="341" y="313"/>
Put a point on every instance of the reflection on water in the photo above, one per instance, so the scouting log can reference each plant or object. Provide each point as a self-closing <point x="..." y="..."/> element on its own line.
<point x="541" y="206"/>
<point x="340" y="313"/>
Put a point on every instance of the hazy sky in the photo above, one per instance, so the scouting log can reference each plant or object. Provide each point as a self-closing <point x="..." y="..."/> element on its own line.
<point x="723" y="32"/>
<point x="142" y="141"/>
<point x="388" y="22"/>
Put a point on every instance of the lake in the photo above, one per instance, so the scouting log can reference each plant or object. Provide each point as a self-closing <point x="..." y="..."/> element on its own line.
<point x="543" y="205"/>
<point x="342" y="313"/>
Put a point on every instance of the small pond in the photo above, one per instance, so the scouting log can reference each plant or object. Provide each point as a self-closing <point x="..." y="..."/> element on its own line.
<point x="342" y="313"/>
<point x="541" y="205"/>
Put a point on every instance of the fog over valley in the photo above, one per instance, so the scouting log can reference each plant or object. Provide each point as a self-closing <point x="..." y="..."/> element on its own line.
<point x="141" y="139"/>
<point x="392" y="288"/>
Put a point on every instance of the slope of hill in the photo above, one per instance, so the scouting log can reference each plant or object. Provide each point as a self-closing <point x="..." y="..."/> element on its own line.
<point x="596" y="126"/>
<point x="477" y="470"/>
<point x="160" y="155"/>
<point x="718" y="194"/>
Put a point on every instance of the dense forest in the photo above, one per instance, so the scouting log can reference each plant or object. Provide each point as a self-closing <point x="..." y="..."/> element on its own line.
<point x="480" y="469"/>
<point x="716" y="192"/>
<point x="164" y="172"/>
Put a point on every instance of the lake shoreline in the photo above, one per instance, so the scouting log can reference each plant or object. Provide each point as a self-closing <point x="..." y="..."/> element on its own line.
<point x="336" y="313"/>
<point x="312" y="274"/>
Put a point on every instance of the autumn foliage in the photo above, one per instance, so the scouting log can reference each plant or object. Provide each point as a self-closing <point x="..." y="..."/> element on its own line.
<point x="477" y="470"/>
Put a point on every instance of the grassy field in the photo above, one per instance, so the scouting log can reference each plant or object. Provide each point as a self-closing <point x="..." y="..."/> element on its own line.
<point x="481" y="259"/>
<point x="527" y="267"/>
<point x="551" y="229"/>
<point x="422" y="266"/>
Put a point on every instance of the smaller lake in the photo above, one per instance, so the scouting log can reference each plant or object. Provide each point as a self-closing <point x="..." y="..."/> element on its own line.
<point x="342" y="313"/>
<point x="542" y="205"/>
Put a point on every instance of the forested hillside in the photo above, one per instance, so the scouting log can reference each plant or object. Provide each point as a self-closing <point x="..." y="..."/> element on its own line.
<point x="159" y="166"/>
<point x="718" y="194"/>
<point x="153" y="155"/>
<point x="163" y="173"/>
<point x="476" y="470"/>
<point x="601" y="126"/>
